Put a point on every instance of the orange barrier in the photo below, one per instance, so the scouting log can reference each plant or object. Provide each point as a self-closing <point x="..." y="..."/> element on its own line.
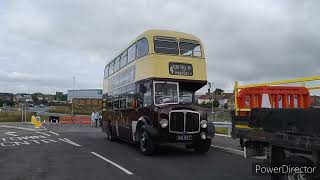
<point x="279" y="97"/>
<point x="67" y="119"/>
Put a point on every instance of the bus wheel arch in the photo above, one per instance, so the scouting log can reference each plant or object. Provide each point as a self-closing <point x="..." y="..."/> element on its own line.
<point x="143" y="122"/>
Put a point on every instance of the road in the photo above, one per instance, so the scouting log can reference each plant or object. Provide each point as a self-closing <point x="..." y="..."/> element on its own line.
<point x="81" y="152"/>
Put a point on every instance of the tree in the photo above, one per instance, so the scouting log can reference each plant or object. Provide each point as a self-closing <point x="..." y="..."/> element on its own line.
<point x="225" y="106"/>
<point x="216" y="103"/>
<point x="209" y="104"/>
<point x="218" y="91"/>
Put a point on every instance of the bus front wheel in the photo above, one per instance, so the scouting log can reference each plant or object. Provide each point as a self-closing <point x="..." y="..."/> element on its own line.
<point x="145" y="142"/>
<point x="202" y="146"/>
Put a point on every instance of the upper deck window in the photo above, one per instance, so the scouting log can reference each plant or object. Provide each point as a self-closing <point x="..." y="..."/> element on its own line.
<point x="116" y="65"/>
<point x="190" y="48"/>
<point x="132" y="53"/>
<point x="111" y="68"/>
<point x="106" y="71"/>
<point x="166" y="45"/>
<point x="142" y="47"/>
<point x="123" y="59"/>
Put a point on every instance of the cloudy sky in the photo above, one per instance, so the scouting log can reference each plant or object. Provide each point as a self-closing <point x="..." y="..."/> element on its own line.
<point x="43" y="44"/>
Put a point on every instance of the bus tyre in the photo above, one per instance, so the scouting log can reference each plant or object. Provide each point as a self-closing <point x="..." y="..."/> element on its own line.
<point x="145" y="142"/>
<point x="109" y="134"/>
<point x="202" y="146"/>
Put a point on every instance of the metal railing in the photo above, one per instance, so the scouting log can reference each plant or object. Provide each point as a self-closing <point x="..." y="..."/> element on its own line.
<point x="227" y="125"/>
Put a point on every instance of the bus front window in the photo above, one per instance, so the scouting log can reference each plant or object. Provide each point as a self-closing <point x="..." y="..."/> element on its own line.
<point x="185" y="97"/>
<point x="166" y="93"/>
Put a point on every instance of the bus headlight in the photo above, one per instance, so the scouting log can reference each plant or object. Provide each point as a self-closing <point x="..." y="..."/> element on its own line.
<point x="203" y="124"/>
<point x="164" y="123"/>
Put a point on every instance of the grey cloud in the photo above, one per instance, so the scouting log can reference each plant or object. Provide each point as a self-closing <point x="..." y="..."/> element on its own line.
<point x="249" y="41"/>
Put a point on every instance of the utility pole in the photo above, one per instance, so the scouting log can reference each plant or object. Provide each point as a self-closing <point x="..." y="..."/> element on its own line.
<point x="74" y="84"/>
<point x="210" y="87"/>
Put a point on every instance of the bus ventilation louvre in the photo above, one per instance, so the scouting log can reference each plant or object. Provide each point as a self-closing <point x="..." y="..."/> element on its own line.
<point x="181" y="122"/>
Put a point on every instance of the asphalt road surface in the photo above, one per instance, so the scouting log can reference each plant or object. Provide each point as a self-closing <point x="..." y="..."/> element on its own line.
<point x="81" y="152"/>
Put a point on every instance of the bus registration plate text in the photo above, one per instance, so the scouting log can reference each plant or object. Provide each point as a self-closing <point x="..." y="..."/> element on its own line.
<point x="184" y="137"/>
<point x="180" y="69"/>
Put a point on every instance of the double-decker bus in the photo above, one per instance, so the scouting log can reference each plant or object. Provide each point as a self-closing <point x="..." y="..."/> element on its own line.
<point x="149" y="92"/>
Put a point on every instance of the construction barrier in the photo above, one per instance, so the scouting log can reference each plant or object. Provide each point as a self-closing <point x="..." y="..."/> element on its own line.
<point x="67" y="119"/>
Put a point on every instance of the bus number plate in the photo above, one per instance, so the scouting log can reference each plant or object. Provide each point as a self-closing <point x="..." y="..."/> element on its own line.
<point x="180" y="69"/>
<point x="184" y="137"/>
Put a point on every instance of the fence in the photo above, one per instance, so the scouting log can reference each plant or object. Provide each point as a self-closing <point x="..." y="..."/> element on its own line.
<point x="227" y="125"/>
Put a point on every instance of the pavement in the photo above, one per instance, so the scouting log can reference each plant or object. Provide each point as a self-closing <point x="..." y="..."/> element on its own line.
<point x="75" y="152"/>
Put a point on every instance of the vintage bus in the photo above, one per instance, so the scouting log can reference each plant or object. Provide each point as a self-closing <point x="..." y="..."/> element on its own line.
<point x="149" y="92"/>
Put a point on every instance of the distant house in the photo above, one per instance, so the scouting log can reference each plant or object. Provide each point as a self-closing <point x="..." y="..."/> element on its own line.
<point x="85" y="98"/>
<point x="224" y="98"/>
<point x="315" y="101"/>
<point x="22" y="98"/>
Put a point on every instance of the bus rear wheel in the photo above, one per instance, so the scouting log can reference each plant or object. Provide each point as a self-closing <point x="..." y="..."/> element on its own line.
<point x="145" y="142"/>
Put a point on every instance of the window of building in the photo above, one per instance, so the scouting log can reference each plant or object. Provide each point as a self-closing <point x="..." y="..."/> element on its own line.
<point x="123" y="59"/>
<point x="142" y="47"/>
<point x="132" y="52"/>
<point x="166" y="45"/>
<point x="190" y="48"/>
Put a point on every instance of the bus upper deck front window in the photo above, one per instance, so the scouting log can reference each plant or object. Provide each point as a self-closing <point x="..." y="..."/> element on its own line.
<point x="166" y="93"/>
<point x="190" y="48"/>
<point x="166" y="45"/>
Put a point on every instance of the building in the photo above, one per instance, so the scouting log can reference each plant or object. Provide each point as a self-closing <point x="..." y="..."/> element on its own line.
<point x="85" y="98"/>
<point x="22" y="98"/>
<point x="315" y="101"/>
<point x="224" y="98"/>
<point x="60" y="96"/>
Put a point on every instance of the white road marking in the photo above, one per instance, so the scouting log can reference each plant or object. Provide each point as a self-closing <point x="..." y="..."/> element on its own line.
<point x="11" y="134"/>
<point x="54" y="133"/>
<point x="113" y="163"/>
<point x="230" y="150"/>
<point x="15" y="127"/>
<point x="69" y="141"/>
<point x="44" y="133"/>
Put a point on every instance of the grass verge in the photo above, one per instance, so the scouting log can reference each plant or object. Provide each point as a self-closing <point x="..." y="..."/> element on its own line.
<point x="13" y="116"/>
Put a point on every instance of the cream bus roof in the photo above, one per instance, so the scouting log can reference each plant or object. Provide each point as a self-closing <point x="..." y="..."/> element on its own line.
<point x="149" y="34"/>
<point x="167" y="33"/>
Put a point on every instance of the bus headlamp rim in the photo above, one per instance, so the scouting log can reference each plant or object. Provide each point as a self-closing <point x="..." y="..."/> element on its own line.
<point x="204" y="124"/>
<point x="164" y="123"/>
